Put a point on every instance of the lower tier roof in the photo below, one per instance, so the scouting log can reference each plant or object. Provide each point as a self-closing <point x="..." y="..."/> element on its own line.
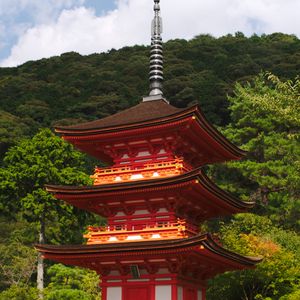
<point x="199" y="255"/>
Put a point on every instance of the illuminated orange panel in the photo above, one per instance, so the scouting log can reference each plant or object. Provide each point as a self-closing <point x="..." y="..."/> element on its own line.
<point x="143" y="172"/>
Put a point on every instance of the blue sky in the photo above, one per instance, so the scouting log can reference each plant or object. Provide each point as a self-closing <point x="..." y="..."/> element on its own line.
<point x="34" y="29"/>
<point x="101" y="6"/>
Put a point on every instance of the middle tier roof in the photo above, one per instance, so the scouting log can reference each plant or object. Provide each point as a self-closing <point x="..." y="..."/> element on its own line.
<point x="191" y="195"/>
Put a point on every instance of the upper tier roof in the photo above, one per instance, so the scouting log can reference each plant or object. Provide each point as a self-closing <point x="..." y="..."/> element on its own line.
<point x="141" y="113"/>
<point x="192" y="136"/>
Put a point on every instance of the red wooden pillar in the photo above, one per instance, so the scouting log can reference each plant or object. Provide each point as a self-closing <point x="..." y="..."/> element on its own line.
<point x="152" y="290"/>
<point x="203" y="294"/>
<point x="174" y="292"/>
<point x="104" y="293"/>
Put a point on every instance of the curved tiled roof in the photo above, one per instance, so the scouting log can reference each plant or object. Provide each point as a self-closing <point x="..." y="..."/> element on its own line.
<point x="135" y="247"/>
<point x="143" y="112"/>
<point x="205" y="182"/>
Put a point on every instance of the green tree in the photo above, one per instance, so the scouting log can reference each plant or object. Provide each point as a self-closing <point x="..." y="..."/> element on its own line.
<point x="277" y="275"/>
<point x="17" y="292"/>
<point x="71" y="281"/>
<point x="17" y="256"/>
<point x="17" y="263"/>
<point x="293" y="296"/>
<point x="11" y="129"/>
<point x="44" y="159"/>
<point x="265" y="122"/>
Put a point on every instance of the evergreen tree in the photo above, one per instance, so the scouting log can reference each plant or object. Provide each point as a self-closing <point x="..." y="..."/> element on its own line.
<point x="265" y="122"/>
<point x="44" y="159"/>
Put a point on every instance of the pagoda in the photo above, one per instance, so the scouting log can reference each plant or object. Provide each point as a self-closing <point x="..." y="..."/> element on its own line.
<point x="154" y="196"/>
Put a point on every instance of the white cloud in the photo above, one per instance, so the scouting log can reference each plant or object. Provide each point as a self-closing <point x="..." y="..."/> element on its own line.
<point x="2" y="35"/>
<point x="79" y="29"/>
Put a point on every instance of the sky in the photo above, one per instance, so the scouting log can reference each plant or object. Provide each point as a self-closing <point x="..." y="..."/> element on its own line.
<point x="35" y="29"/>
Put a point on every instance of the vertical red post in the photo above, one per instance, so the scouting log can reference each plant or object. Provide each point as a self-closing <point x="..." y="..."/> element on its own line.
<point x="174" y="292"/>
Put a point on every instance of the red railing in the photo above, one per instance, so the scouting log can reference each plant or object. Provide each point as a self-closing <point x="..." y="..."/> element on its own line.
<point x="142" y="172"/>
<point x="179" y="229"/>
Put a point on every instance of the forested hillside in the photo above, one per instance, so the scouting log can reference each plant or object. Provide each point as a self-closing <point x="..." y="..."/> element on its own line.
<point x="247" y="87"/>
<point x="71" y="88"/>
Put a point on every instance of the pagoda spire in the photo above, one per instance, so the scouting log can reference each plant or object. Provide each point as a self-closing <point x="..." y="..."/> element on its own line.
<point x="156" y="54"/>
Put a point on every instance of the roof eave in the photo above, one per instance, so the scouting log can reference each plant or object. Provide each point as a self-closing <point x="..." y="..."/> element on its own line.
<point x="135" y="247"/>
<point x="106" y="129"/>
<point x="196" y="174"/>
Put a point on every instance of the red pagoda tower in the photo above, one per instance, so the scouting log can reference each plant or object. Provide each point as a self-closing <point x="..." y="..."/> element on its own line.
<point x="154" y="197"/>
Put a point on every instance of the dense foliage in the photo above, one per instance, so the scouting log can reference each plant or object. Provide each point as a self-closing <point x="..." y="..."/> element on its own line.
<point x="71" y="88"/>
<point x="264" y="122"/>
<point x="260" y="115"/>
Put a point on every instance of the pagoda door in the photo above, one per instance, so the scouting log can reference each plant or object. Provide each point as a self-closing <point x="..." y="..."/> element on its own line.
<point x="137" y="293"/>
<point x="190" y="294"/>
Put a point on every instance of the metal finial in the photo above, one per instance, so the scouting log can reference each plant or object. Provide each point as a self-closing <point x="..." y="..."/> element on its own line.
<point x="156" y="53"/>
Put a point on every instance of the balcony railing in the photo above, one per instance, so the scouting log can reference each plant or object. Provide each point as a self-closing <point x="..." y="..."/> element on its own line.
<point x="141" y="172"/>
<point x="119" y="233"/>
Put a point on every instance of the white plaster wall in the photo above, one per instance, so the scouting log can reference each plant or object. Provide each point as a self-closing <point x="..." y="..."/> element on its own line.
<point x="163" y="271"/>
<point x="141" y="212"/>
<point x="162" y="209"/>
<point x="114" y="293"/>
<point x="199" y="295"/>
<point x="163" y="292"/>
<point x="180" y="293"/>
<point x="143" y="153"/>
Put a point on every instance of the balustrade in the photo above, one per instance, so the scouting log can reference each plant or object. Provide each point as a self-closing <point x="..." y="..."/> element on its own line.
<point x="139" y="172"/>
<point x="158" y="230"/>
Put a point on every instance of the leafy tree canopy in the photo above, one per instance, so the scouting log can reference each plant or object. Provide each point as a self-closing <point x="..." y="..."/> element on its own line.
<point x="203" y="70"/>
<point x="69" y="283"/>
<point x="44" y="159"/>
<point x="270" y="174"/>
<point x="277" y="275"/>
